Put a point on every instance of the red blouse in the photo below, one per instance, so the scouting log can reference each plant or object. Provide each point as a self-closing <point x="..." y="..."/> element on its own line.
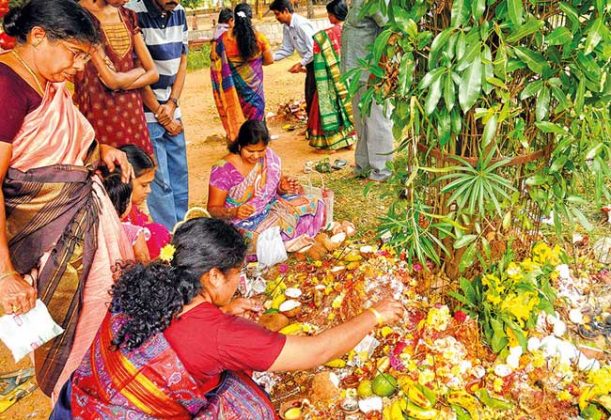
<point x="18" y="99"/>
<point x="209" y="342"/>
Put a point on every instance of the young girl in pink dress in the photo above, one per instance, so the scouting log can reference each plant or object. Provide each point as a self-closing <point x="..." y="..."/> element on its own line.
<point x="144" y="175"/>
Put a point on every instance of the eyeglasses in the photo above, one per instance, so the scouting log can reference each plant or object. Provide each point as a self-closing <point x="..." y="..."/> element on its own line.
<point x="77" y="55"/>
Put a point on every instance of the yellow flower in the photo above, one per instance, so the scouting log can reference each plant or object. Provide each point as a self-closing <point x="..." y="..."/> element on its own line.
<point x="494" y="299"/>
<point x="514" y="272"/>
<point x="426" y="376"/>
<point x="497" y="385"/>
<point x="490" y="280"/>
<point x="520" y="306"/>
<point x="564" y="395"/>
<point x="167" y="253"/>
<point x="538" y="359"/>
<point x="601" y="378"/>
<point x="529" y="265"/>
<point x="317" y="263"/>
<point x="438" y="318"/>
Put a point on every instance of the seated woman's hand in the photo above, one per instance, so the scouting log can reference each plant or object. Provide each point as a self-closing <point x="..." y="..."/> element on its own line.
<point x="390" y="310"/>
<point x="242" y="307"/>
<point x="244" y="211"/>
<point x="289" y="185"/>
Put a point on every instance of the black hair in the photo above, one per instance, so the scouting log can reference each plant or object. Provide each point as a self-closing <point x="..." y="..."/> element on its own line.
<point x="152" y="295"/>
<point x="338" y="9"/>
<point x="244" y="32"/>
<point x="119" y="192"/>
<point x="281" y="6"/>
<point x="251" y="132"/>
<point x="139" y="159"/>
<point x="225" y="15"/>
<point x="61" y="19"/>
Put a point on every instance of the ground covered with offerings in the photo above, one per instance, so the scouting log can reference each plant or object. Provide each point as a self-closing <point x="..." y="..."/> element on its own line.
<point x="529" y="338"/>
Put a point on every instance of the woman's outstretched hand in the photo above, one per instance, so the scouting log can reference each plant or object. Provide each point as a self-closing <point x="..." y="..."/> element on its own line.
<point x="242" y="307"/>
<point x="289" y="185"/>
<point x="391" y="310"/>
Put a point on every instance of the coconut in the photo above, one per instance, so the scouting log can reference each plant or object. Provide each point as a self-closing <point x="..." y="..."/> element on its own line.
<point x="336" y="228"/>
<point x="575" y="316"/>
<point x="533" y="344"/>
<point x="338" y="269"/>
<point x="368" y="405"/>
<point x="367" y="250"/>
<point x="274" y="321"/>
<point x="293" y="292"/>
<point x="559" y="328"/>
<point x="349" y="228"/>
<point x="338" y="238"/>
<point x="502" y="370"/>
<point x="290" y="307"/>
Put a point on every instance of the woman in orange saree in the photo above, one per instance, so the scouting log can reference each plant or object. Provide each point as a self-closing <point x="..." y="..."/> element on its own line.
<point x="59" y="234"/>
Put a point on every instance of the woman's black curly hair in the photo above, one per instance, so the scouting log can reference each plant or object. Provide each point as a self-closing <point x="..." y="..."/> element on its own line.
<point x="244" y="32"/>
<point x="152" y="295"/>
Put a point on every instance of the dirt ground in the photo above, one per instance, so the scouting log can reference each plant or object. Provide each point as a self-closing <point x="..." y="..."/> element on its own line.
<point x="205" y="145"/>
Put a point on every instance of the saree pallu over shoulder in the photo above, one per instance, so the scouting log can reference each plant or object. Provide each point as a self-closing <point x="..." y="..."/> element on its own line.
<point x="236" y="81"/>
<point x="42" y="139"/>
<point x="53" y="208"/>
<point x="151" y="382"/>
<point x="330" y="124"/>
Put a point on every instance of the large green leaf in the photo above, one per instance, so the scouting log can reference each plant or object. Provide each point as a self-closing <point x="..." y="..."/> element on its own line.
<point x="559" y="36"/>
<point x="531" y="89"/>
<point x="379" y="46"/>
<point x="595" y="35"/>
<point x="461" y="45"/>
<point x="449" y="92"/>
<point x="550" y="127"/>
<point x="571" y="14"/>
<point x="489" y="131"/>
<point x="542" y="108"/>
<point x="464" y="240"/>
<point x="471" y="85"/>
<point x="444" y="127"/>
<point x="437" y="46"/>
<point x="528" y="28"/>
<point x="433" y="97"/>
<point x="460" y="12"/>
<point x="515" y="10"/>
<point x="477" y="9"/>
<point x="534" y="60"/>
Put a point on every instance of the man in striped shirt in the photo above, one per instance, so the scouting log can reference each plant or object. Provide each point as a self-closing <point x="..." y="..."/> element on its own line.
<point x="164" y="27"/>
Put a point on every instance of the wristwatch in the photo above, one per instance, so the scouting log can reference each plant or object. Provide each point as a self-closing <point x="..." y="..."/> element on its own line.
<point x="174" y="101"/>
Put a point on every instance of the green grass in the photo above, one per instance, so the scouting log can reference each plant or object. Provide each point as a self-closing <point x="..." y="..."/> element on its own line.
<point x="200" y="58"/>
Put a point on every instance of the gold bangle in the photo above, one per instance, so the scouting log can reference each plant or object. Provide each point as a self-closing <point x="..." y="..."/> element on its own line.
<point x="5" y="275"/>
<point x="378" y="316"/>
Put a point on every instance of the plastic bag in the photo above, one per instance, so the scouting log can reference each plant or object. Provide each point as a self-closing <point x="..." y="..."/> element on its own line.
<point x="24" y="333"/>
<point x="270" y="248"/>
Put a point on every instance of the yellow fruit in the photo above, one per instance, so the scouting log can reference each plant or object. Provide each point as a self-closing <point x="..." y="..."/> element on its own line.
<point x="336" y="363"/>
<point x="384" y="385"/>
<point x="364" y="389"/>
<point x="383" y="363"/>
<point x="278" y="301"/>
<point x="292" y="329"/>
<point x="292" y="413"/>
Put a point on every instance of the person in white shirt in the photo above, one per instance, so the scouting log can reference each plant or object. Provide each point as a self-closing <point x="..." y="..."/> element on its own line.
<point x="297" y="35"/>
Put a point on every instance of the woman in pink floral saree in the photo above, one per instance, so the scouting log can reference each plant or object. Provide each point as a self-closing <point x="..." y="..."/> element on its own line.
<point x="247" y="187"/>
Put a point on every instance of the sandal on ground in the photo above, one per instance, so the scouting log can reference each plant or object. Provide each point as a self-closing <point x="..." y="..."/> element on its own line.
<point x="10" y="381"/>
<point x="18" y="393"/>
<point x="323" y="166"/>
<point x="308" y="167"/>
<point x="339" y="164"/>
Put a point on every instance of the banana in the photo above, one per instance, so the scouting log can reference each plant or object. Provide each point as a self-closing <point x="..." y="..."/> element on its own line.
<point x="293" y="329"/>
<point x="386" y="413"/>
<point x="277" y="301"/>
<point x="395" y="411"/>
<point x="336" y="363"/>
<point x="416" y="412"/>
<point x="416" y="396"/>
<point x="466" y="401"/>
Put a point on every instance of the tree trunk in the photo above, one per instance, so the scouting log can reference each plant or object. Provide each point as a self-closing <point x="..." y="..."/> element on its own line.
<point x="310" y="9"/>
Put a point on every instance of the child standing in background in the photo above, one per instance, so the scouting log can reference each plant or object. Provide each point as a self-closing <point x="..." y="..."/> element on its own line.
<point x="144" y="175"/>
<point x="120" y="193"/>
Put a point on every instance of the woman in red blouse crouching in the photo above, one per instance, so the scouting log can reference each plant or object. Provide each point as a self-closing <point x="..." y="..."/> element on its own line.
<point x="172" y="347"/>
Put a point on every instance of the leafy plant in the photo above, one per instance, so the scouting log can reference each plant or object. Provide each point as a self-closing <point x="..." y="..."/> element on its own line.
<point x="507" y="299"/>
<point x="501" y="110"/>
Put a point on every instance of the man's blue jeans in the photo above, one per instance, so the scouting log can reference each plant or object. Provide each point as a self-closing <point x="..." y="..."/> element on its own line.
<point x="169" y="198"/>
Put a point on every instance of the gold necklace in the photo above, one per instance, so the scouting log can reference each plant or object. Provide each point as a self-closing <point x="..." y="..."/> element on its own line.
<point x="29" y="69"/>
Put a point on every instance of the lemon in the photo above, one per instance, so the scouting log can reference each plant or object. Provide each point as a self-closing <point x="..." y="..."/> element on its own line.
<point x="364" y="389"/>
<point x="292" y="413"/>
<point x="384" y="385"/>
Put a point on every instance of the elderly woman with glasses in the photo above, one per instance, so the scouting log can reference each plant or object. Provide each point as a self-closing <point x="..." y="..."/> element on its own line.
<point x="59" y="233"/>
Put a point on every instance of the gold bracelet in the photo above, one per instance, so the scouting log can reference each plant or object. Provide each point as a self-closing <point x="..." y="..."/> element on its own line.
<point x="378" y="316"/>
<point x="5" y="275"/>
